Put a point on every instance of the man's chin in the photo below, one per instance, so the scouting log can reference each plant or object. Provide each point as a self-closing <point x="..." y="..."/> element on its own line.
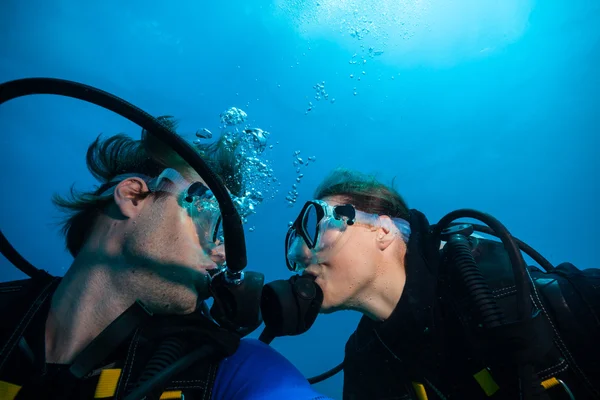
<point x="202" y="286"/>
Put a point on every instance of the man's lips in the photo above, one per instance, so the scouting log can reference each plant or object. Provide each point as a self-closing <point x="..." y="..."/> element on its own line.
<point x="311" y="273"/>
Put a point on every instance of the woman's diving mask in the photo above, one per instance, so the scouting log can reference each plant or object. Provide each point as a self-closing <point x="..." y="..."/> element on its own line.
<point x="318" y="232"/>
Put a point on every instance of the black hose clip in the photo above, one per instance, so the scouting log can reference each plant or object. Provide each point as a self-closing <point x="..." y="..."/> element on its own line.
<point x="461" y="229"/>
<point x="237" y="300"/>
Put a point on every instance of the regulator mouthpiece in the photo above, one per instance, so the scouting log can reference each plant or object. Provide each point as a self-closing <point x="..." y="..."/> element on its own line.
<point x="290" y="307"/>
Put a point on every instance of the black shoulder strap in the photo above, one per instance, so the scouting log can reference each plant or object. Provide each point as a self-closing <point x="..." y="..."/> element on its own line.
<point x="568" y="295"/>
<point x="587" y="285"/>
<point x="20" y="309"/>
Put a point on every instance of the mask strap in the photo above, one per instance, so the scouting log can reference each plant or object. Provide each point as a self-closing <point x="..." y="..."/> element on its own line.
<point x="154" y="184"/>
<point x="400" y="224"/>
<point x="404" y="228"/>
<point x="117" y="179"/>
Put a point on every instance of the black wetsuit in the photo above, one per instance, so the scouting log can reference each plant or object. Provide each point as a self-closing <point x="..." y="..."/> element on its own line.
<point x="426" y="345"/>
<point x="24" y="306"/>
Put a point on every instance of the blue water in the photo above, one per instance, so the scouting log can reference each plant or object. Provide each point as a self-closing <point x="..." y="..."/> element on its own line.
<point x="489" y="105"/>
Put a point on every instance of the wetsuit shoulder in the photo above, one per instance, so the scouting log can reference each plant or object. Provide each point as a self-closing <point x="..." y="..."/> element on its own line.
<point x="257" y="371"/>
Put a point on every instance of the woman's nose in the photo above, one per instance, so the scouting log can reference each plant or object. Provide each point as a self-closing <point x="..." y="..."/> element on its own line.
<point x="217" y="254"/>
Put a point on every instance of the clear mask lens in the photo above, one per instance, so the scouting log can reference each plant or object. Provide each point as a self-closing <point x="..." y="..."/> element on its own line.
<point x="319" y="240"/>
<point x="204" y="211"/>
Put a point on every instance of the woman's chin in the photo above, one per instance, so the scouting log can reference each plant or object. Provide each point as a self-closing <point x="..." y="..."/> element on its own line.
<point x="329" y="308"/>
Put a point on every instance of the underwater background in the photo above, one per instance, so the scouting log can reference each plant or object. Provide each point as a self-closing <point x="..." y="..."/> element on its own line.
<point x="492" y="105"/>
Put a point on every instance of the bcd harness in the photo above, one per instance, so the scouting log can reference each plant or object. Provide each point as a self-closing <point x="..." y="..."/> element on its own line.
<point x="138" y="355"/>
<point x="563" y="359"/>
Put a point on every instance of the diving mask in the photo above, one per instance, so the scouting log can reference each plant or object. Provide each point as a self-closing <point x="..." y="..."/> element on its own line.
<point x="317" y="232"/>
<point x="195" y="197"/>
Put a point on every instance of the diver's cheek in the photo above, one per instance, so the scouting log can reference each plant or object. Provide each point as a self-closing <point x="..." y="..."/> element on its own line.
<point x="329" y="238"/>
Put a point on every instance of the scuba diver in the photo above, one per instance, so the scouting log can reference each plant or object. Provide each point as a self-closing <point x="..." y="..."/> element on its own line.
<point x="129" y="319"/>
<point x="438" y="303"/>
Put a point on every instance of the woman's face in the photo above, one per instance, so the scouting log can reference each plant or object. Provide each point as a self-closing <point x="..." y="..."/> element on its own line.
<point x="350" y="268"/>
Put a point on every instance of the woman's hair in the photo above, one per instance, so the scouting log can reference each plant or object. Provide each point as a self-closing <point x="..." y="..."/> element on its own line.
<point x="120" y="154"/>
<point x="364" y="192"/>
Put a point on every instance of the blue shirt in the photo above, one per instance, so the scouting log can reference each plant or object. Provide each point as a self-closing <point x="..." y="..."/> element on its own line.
<point x="257" y="371"/>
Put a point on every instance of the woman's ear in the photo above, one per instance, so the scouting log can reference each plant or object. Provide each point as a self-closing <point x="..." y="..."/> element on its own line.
<point x="386" y="232"/>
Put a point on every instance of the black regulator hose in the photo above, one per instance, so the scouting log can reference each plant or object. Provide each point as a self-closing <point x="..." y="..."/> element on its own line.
<point x="326" y="375"/>
<point x="233" y="231"/>
<point x="461" y="257"/>
<point x="168" y="351"/>
<point x="267" y="336"/>
<point x="16" y="259"/>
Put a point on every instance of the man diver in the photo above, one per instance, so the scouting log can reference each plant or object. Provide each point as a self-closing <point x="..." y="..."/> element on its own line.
<point x="130" y="305"/>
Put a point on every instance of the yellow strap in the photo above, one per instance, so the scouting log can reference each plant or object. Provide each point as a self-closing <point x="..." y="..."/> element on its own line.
<point x="106" y="387"/>
<point x="487" y="383"/>
<point x="8" y="391"/>
<point x="107" y="384"/>
<point x="172" y="395"/>
<point x="548" y="383"/>
<point x="420" y="390"/>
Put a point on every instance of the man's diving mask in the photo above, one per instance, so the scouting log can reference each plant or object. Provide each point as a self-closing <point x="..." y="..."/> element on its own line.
<point x="318" y="231"/>
<point x="195" y="197"/>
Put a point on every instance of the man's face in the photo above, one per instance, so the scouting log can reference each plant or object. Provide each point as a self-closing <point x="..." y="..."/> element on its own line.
<point x="162" y="242"/>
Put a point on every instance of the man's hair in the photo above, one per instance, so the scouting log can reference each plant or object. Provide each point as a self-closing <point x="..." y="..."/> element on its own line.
<point x="120" y="154"/>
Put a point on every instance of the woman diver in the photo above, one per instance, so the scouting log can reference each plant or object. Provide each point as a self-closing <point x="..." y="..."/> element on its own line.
<point x="418" y="338"/>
